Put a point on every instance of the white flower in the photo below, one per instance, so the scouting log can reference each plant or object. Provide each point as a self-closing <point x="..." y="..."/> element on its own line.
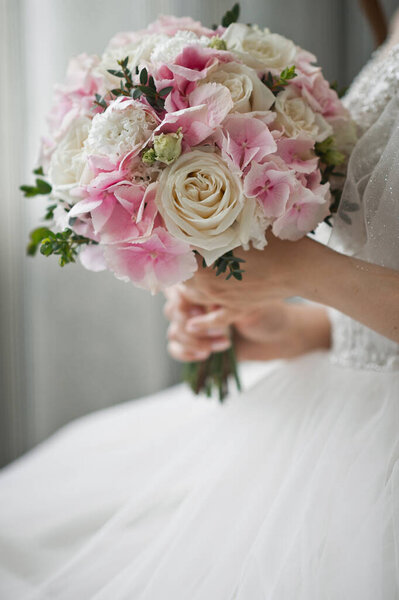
<point x="125" y="126"/>
<point x="138" y="51"/>
<point x="168" y="49"/>
<point x="294" y="116"/>
<point x="259" y="49"/>
<point x="247" y="91"/>
<point x="68" y="165"/>
<point x="201" y="202"/>
<point x="253" y="224"/>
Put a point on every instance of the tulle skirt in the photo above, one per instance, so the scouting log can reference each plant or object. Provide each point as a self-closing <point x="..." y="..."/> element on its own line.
<point x="290" y="491"/>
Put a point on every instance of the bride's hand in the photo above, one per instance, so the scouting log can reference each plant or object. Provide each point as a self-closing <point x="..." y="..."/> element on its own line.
<point x="278" y="330"/>
<point x="269" y="275"/>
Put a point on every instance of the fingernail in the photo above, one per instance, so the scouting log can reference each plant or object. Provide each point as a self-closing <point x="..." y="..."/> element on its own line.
<point x="195" y="312"/>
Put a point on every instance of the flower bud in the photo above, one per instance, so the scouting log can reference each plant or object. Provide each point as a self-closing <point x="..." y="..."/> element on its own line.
<point x="149" y="156"/>
<point x="217" y="43"/>
<point x="167" y="146"/>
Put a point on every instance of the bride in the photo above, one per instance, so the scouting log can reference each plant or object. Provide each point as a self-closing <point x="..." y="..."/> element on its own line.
<point x="288" y="492"/>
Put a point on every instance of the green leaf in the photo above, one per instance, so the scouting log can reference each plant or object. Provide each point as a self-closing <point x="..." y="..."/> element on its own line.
<point x="28" y="190"/>
<point x="165" y="91"/>
<point x="115" y="73"/>
<point x="38" y="171"/>
<point x="43" y="187"/>
<point x="143" y="76"/>
<point x="50" y="212"/>
<point x="137" y="93"/>
<point x="231" y="16"/>
<point x="288" y="73"/>
<point x="35" y="238"/>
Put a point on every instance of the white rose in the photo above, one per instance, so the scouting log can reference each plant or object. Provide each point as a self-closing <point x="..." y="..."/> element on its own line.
<point x="123" y="127"/>
<point x="201" y="202"/>
<point x="247" y="91"/>
<point x="259" y="49"/>
<point x="294" y="116"/>
<point x="253" y="224"/>
<point x="68" y="165"/>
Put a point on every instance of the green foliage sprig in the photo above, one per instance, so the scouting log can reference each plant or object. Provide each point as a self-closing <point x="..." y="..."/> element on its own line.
<point x="330" y="159"/>
<point x="64" y="244"/>
<point x="230" y="264"/>
<point x="231" y="16"/>
<point x="146" y="87"/>
<point x="277" y="84"/>
<point x="41" y="188"/>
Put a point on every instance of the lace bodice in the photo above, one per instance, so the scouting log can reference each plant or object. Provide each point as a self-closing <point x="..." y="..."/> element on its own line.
<point x="372" y="91"/>
<point x="373" y="88"/>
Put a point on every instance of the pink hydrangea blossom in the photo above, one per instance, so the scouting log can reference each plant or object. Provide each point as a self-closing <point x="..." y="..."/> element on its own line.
<point x="212" y="103"/>
<point x="243" y="139"/>
<point x="305" y="210"/>
<point x="153" y="263"/>
<point x="304" y="62"/>
<point x="92" y="258"/>
<point x="272" y="184"/>
<point x="119" y="209"/>
<point x="75" y="98"/>
<point x="298" y="153"/>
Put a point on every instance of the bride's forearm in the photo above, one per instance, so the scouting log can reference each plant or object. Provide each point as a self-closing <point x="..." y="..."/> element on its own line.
<point x="368" y="293"/>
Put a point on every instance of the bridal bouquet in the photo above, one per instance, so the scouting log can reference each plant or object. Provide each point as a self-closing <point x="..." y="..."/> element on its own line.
<point x="182" y="142"/>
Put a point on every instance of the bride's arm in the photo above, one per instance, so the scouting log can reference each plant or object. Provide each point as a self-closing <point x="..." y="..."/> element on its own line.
<point x="366" y="292"/>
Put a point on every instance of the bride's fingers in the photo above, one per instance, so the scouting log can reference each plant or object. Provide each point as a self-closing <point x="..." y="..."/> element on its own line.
<point x="217" y="320"/>
<point x="213" y="342"/>
<point x="177" y="308"/>
<point x="185" y="347"/>
<point x="179" y="352"/>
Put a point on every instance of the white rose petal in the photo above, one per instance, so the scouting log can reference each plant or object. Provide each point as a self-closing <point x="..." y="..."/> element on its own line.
<point x="259" y="49"/>
<point x="294" y="116"/>
<point x="201" y="202"/>
<point x="247" y="91"/>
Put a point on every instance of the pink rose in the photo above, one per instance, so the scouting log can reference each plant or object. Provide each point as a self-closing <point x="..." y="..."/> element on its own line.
<point x="154" y="263"/>
<point x="322" y="99"/>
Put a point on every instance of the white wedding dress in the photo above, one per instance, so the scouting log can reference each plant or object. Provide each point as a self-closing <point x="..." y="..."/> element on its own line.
<point x="290" y="491"/>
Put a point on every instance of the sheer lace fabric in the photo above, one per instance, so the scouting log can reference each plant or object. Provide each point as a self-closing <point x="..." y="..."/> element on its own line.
<point x="367" y="224"/>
